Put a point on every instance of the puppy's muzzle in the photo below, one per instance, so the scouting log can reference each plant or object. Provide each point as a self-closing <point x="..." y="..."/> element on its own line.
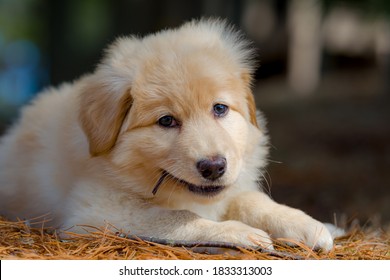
<point x="213" y="168"/>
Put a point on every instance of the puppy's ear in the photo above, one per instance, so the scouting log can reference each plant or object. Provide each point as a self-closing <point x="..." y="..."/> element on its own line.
<point x="252" y="108"/>
<point x="102" y="112"/>
<point x="250" y="100"/>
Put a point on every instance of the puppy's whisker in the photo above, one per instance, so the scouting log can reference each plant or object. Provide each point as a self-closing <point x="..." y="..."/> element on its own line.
<point x="275" y="161"/>
<point x="267" y="186"/>
<point x="156" y="175"/>
<point x="172" y="189"/>
<point x="163" y="177"/>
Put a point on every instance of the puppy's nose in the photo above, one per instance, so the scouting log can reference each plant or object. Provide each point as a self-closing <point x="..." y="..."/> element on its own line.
<point x="213" y="168"/>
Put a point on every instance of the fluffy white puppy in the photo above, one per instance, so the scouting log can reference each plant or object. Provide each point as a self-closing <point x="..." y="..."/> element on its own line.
<point x="161" y="140"/>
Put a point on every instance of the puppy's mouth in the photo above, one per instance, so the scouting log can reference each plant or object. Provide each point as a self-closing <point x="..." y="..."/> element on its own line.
<point x="205" y="190"/>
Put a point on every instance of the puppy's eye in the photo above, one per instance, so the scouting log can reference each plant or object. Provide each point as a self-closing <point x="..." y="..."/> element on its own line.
<point x="167" y="121"/>
<point x="220" y="110"/>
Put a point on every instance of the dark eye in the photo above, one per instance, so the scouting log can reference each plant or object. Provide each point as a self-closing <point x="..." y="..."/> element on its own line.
<point x="220" y="110"/>
<point x="167" y="121"/>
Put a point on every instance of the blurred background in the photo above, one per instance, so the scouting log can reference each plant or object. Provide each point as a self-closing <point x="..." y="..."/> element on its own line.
<point x="323" y="82"/>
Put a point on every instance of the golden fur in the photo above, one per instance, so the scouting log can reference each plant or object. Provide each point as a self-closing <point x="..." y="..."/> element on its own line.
<point x="93" y="152"/>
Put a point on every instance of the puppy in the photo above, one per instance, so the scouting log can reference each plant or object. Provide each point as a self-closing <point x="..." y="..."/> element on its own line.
<point x="161" y="140"/>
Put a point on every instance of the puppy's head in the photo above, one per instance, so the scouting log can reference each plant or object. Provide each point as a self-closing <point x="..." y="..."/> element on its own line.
<point x="174" y="114"/>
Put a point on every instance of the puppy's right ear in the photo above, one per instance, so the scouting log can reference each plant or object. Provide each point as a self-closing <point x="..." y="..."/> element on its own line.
<point x="102" y="112"/>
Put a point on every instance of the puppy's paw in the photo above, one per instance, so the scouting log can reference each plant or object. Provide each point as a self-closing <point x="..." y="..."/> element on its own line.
<point x="300" y="227"/>
<point x="239" y="233"/>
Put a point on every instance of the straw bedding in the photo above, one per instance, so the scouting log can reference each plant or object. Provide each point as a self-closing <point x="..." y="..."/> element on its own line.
<point x="19" y="241"/>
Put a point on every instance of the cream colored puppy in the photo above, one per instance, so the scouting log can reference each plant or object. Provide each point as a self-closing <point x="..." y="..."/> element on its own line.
<point x="161" y="140"/>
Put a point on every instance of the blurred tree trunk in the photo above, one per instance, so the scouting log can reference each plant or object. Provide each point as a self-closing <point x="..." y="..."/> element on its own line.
<point x="305" y="45"/>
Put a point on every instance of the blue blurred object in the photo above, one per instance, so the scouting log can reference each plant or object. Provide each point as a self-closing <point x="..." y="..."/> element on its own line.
<point x="21" y="72"/>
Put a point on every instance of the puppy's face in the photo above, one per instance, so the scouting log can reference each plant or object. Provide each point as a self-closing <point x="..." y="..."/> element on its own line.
<point x="182" y="129"/>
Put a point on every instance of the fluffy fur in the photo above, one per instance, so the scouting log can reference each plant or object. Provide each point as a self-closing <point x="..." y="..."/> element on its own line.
<point x="95" y="152"/>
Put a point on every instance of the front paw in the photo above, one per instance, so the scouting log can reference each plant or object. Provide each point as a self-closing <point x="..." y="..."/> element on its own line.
<point x="298" y="226"/>
<point x="242" y="234"/>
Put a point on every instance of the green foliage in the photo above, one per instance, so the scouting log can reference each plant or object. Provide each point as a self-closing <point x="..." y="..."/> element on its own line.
<point x="372" y="7"/>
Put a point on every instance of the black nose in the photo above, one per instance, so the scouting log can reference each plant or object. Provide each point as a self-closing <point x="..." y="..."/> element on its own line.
<point x="213" y="168"/>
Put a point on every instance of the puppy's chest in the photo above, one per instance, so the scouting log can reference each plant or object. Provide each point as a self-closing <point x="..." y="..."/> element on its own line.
<point x="214" y="211"/>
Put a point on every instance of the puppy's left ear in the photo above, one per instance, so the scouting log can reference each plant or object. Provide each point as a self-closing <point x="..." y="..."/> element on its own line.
<point x="101" y="114"/>
<point x="250" y="100"/>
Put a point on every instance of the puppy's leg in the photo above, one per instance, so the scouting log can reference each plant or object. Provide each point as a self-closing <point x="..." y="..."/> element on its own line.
<point x="258" y="210"/>
<point x="140" y="219"/>
<point x="185" y="225"/>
